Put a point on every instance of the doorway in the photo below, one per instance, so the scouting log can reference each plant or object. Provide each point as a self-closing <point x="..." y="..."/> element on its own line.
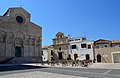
<point x="75" y="56"/>
<point x="60" y="55"/>
<point x="87" y="57"/>
<point x="98" y="58"/>
<point x="17" y="51"/>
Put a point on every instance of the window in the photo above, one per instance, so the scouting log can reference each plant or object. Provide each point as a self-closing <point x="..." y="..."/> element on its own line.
<point x="51" y="52"/>
<point x="73" y="46"/>
<point x="89" y="46"/>
<point x="60" y="37"/>
<point x="83" y="45"/>
<point x="19" y="19"/>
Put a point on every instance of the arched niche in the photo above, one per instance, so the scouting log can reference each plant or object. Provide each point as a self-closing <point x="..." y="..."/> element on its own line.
<point x="32" y="40"/>
<point x="10" y="38"/>
<point x="18" y="42"/>
<point x="20" y="35"/>
<point x="37" y="41"/>
<point x="27" y="40"/>
<point x="3" y="36"/>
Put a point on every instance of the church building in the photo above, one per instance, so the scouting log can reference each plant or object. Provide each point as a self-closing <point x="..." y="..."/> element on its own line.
<point x="20" y="39"/>
<point x="60" y="46"/>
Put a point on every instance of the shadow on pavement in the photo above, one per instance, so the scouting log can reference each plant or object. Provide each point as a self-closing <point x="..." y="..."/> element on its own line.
<point x="19" y="67"/>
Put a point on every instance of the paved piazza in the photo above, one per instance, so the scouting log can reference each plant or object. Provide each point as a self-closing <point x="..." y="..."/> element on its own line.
<point x="38" y="74"/>
<point x="39" y="71"/>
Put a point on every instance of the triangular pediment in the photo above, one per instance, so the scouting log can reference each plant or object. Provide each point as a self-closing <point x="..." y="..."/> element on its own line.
<point x="16" y="10"/>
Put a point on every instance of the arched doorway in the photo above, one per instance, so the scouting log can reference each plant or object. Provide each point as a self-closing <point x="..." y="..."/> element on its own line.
<point x="75" y="56"/>
<point x="87" y="57"/>
<point x="18" y="47"/>
<point x="98" y="58"/>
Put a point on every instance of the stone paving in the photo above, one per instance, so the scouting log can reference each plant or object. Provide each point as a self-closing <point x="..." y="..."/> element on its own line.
<point x="95" y="65"/>
<point x="105" y="65"/>
<point x="37" y="74"/>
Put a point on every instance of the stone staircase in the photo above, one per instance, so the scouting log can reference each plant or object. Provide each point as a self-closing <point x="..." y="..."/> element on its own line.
<point x="19" y="60"/>
<point x="6" y="60"/>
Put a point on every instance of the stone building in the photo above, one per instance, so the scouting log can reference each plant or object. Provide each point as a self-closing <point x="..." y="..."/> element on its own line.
<point x="58" y="50"/>
<point x="107" y="51"/>
<point x="20" y="38"/>
<point x="80" y="48"/>
<point x="60" y="46"/>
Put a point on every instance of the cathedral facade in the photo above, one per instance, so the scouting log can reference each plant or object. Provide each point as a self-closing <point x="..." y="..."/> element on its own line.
<point x="20" y="39"/>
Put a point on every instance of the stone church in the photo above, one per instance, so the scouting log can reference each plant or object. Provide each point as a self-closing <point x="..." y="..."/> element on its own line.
<point x="60" y="46"/>
<point x="20" y="39"/>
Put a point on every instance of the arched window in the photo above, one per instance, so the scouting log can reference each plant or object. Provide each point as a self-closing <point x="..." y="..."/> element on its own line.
<point x="2" y="37"/>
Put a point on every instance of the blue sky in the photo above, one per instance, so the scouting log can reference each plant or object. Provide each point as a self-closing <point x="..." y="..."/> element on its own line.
<point x="99" y="19"/>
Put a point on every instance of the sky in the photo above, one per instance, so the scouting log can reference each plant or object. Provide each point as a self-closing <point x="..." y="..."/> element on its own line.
<point x="95" y="19"/>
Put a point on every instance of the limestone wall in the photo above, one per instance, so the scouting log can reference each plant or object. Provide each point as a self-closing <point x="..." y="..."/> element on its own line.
<point x="106" y="53"/>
